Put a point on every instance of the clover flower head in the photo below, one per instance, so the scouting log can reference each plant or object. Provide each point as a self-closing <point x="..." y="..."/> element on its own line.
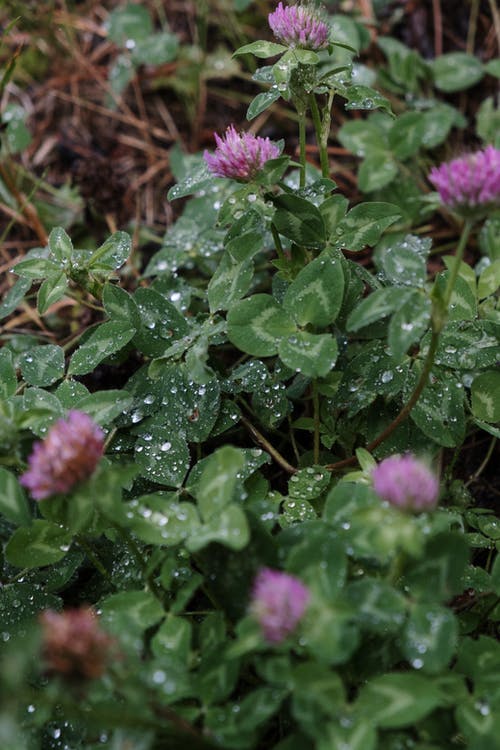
<point x="69" y="454"/>
<point x="278" y="602"/>
<point x="73" y="643"/>
<point x="240" y="156"/>
<point x="470" y="182"/>
<point x="406" y="482"/>
<point x="299" y="26"/>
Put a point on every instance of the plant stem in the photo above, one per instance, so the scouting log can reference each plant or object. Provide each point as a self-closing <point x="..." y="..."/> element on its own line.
<point x="302" y="144"/>
<point x="277" y="243"/>
<point x="439" y="315"/>
<point x="484" y="463"/>
<point x="130" y="542"/>
<point x="315" y="399"/>
<point x="93" y="558"/>
<point x="320" y="136"/>
<point x="268" y="447"/>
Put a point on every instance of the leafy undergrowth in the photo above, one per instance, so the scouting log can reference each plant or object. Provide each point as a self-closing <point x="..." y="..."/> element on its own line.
<point x="248" y="431"/>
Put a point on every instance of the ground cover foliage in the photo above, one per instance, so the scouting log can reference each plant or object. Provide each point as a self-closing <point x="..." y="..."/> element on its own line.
<point x="276" y="525"/>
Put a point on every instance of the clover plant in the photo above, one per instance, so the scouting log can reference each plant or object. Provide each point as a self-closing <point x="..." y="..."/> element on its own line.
<point x="256" y="538"/>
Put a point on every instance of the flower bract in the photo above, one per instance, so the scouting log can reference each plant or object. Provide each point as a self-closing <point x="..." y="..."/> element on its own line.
<point x="69" y="454"/>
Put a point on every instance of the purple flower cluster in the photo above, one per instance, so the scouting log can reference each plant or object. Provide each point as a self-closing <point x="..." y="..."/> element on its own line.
<point x="299" y="26"/>
<point x="69" y="454"/>
<point x="406" y="483"/>
<point x="73" y="643"/>
<point x="279" y="600"/>
<point x="240" y="156"/>
<point x="470" y="181"/>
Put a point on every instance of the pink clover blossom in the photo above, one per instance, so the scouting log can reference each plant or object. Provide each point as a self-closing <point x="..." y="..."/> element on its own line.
<point x="240" y="156"/>
<point x="69" y="454"/>
<point x="406" y="483"/>
<point x="278" y="602"/>
<point x="299" y="26"/>
<point x="469" y="182"/>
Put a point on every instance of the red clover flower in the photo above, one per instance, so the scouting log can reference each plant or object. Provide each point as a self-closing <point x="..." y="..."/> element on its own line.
<point x="279" y="600"/>
<point x="470" y="182"/>
<point x="406" y="482"/>
<point x="299" y="26"/>
<point x="73" y="644"/>
<point x="69" y="454"/>
<point x="240" y="156"/>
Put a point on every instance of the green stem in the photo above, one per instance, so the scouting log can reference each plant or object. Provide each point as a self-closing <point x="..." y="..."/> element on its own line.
<point x="439" y="315"/>
<point x="93" y="558"/>
<point x="302" y="144"/>
<point x="277" y="243"/>
<point x="315" y="399"/>
<point x="130" y="542"/>
<point x="320" y="136"/>
<point x="455" y="269"/>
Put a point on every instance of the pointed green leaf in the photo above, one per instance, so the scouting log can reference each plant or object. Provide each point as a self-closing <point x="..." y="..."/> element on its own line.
<point x="42" y="543"/>
<point x="314" y="355"/>
<point x="377" y="305"/>
<point x="408" y="324"/>
<point x="37" y="268"/>
<point x="161" y="519"/>
<point x="111" y="254"/>
<point x="217" y="483"/>
<point x="14" y="296"/>
<point x="13" y="503"/>
<point x="315" y="295"/>
<point x="43" y="365"/>
<point x="256" y="325"/>
<point x="398" y="699"/>
<point x="229" y="527"/>
<point x="161" y="323"/>
<point x="429" y="639"/>
<point x="8" y="379"/>
<point x="51" y="291"/>
<point x="485" y="394"/>
<point x="261" y="49"/>
<point x="299" y="220"/>
<point x="60" y="245"/>
<point x="163" y="456"/>
<point x="120" y="305"/>
<point x="364" y="225"/>
<point x="107" y="339"/>
<point x="229" y="283"/>
<point x="455" y="71"/>
<point x="104" y="406"/>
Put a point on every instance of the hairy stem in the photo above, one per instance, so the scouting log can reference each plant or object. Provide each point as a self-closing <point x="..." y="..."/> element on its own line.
<point x="321" y="136"/>
<point x="302" y="145"/>
<point x="277" y="243"/>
